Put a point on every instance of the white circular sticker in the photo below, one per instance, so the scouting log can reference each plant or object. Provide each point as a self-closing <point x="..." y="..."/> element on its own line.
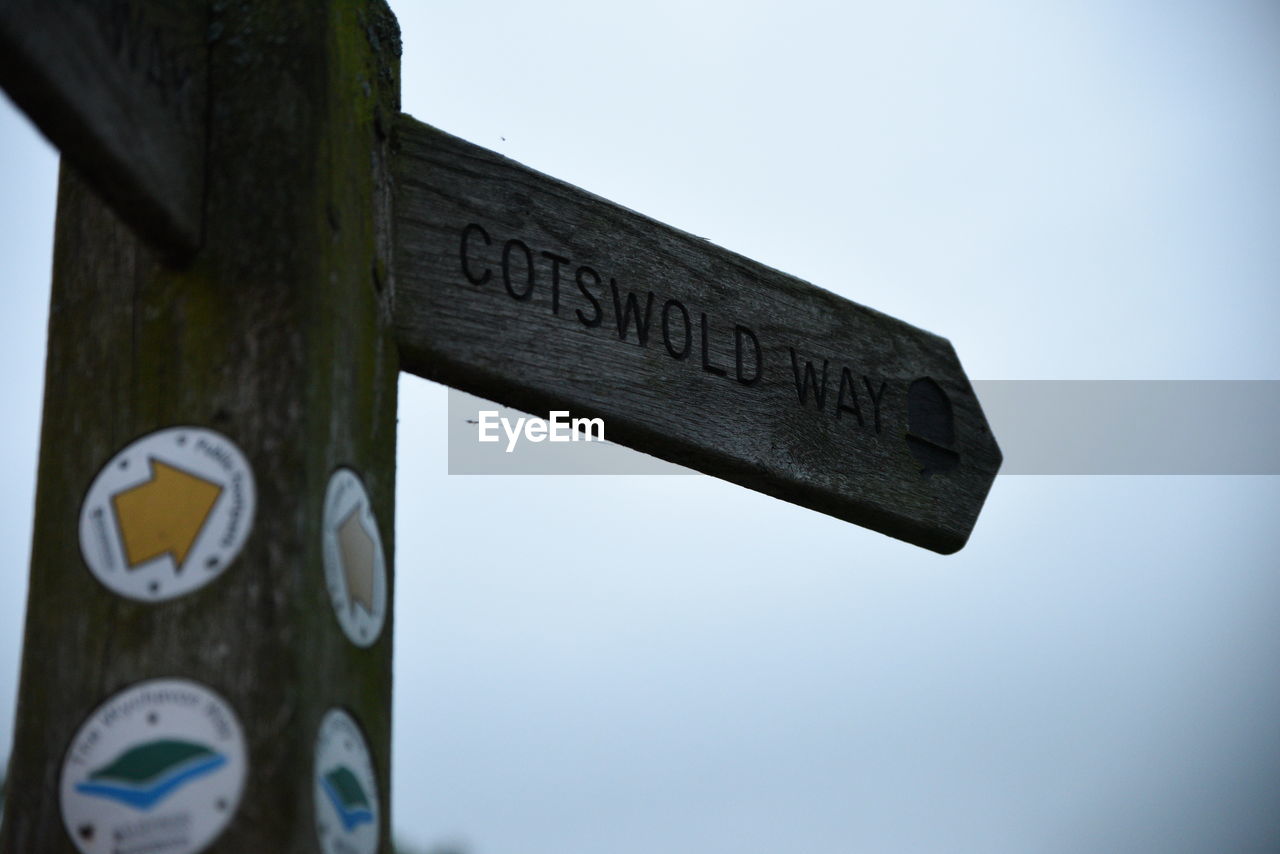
<point x="346" y="789"/>
<point x="167" y="514"/>
<point x="354" y="567"/>
<point x="158" y="768"/>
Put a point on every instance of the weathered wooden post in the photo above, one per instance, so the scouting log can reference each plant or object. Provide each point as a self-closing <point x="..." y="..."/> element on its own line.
<point x="210" y="605"/>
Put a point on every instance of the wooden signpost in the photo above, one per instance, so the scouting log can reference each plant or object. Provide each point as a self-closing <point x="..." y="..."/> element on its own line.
<point x="276" y="336"/>
<point x="525" y="290"/>
<point x="207" y="650"/>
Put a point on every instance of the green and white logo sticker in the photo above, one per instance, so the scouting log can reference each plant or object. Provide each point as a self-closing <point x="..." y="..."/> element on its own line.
<point x="355" y="568"/>
<point x="346" y="789"/>
<point x="159" y="768"/>
<point x="167" y="514"/>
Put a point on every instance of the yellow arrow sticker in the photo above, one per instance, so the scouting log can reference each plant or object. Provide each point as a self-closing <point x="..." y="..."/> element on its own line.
<point x="164" y="514"/>
<point x="167" y="514"/>
<point x="355" y="567"/>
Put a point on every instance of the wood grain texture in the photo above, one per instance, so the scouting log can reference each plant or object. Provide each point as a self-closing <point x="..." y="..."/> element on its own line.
<point x="277" y="335"/>
<point x="533" y="293"/>
<point x="119" y="87"/>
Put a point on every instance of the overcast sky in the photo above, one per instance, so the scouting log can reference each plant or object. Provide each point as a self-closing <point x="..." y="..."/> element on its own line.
<point x="631" y="664"/>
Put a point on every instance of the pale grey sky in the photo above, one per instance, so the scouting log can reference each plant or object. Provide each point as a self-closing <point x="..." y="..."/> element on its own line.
<point x="1083" y="191"/>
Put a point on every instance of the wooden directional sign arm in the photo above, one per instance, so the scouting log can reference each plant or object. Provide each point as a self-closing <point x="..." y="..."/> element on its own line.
<point x="533" y="293"/>
<point x="119" y="87"/>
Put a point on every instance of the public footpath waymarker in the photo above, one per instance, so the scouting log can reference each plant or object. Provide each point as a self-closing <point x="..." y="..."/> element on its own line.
<point x="528" y="291"/>
<point x="250" y="241"/>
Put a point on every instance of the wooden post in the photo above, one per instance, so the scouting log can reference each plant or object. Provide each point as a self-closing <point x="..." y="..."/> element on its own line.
<point x="277" y="336"/>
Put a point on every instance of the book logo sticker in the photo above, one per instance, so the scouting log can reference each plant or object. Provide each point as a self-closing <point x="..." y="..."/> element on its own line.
<point x="145" y="775"/>
<point x="159" y="767"/>
<point x="346" y="790"/>
<point x="167" y="514"/>
<point x="355" y="568"/>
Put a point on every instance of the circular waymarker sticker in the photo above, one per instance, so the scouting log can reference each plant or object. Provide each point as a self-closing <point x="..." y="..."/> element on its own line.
<point x="167" y="514"/>
<point x="346" y="789"/>
<point x="355" y="569"/>
<point x="157" y="768"/>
